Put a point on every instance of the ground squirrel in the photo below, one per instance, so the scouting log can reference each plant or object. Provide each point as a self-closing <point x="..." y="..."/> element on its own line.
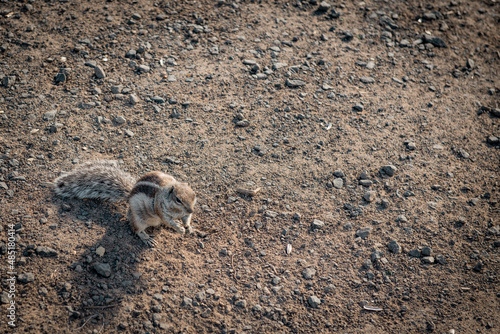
<point x="155" y="198"/>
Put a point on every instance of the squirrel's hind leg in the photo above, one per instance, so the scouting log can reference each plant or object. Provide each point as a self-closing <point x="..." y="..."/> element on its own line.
<point x="139" y="226"/>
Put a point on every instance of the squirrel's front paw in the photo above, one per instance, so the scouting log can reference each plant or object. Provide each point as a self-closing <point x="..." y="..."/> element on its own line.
<point x="180" y="229"/>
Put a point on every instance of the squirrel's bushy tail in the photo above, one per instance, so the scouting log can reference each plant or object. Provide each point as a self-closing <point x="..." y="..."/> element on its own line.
<point x="99" y="179"/>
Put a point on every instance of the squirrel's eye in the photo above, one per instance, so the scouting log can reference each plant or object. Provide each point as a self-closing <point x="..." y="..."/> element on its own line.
<point x="178" y="201"/>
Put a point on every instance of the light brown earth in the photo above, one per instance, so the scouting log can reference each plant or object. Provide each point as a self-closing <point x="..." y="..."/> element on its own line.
<point x="430" y="111"/>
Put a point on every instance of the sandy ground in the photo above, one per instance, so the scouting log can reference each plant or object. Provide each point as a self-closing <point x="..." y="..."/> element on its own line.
<point x="370" y="127"/>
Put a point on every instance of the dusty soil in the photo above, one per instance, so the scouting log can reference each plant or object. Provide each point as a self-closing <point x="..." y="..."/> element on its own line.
<point x="333" y="242"/>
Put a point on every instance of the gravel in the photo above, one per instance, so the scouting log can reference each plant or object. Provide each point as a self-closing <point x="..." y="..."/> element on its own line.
<point x="308" y="273"/>
<point x="99" y="72"/>
<point x="294" y="83"/>
<point x="364" y="232"/>
<point x="44" y="251"/>
<point x="103" y="269"/>
<point x="314" y="301"/>
<point x="317" y="224"/>
<point x="394" y="247"/>
<point x="338" y="183"/>
<point x="26" y="277"/>
<point x="390" y="170"/>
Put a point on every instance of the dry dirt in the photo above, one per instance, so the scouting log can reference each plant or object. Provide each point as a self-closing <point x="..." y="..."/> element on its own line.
<point x="205" y="97"/>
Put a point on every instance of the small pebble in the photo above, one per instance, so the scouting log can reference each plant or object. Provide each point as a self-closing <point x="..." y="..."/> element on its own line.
<point x="99" y="72"/>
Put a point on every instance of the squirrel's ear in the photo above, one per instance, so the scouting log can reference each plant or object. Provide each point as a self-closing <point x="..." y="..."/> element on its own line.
<point x="171" y="191"/>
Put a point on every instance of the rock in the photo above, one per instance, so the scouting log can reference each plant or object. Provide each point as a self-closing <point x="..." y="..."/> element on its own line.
<point x="200" y="296"/>
<point x="317" y="224"/>
<point x="358" y="107"/>
<point x="387" y="21"/>
<point x="117" y="89"/>
<point x="143" y="68"/>
<point x="494" y="230"/>
<point x="441" y="259"/>
<point x="120" y="120"/>
<point x="276" y="280"/>
<point x="338" y="173"/>
<point x="243" y="123"/>
<point x="187" y="301"/>
<point x="346" y="36"/>
<point x="90" y="63"/>
<point x="430" y="16"/>
<point x="158" y="99"/>
<point x="100" y="251"/>
<point x="9" y="80"/>
<point x="324" y="6"/>
<point x="411" y="146"/>
<point x="294" y="83"/>
<point x="376" y="255"/>
<point x="26" y="277"/>
<point x="493" y="140"/>
<point x="44" y="251"/>
<point x="329" y="288"/>
<point x="161" y="17"/>
<point x="426" y="251"/>
<point x="428" y="259"/>
<point x="99" y="72"/>
<point x="370" y="196"/>
<point x="175" y="114"/>
<point x="364" y="232"/>
<point x="479" y="265"/>
<point x="414" y="253"/>
<point x="133" y="99"/>
<point x="390" y="170"/>
<point x="103" y="269"/>
<point x="257" y="308"/>
<point x="250" y="62"/>
<point x="436" y="41"/>
<point x="60" y="78"/>
<point x="241" y="303"/>
<point x="314" y="301"/>
<point x="308" y="273"/>
<point x="277" y="66"/>
<point x="50" y="115"/>
<point x="131" y="54"/>
<point x="463" y="154"/>
<point x="401" y="219"/>
<point x="367" y="264"/>
<point x="4" y="298"/>
<point x="333" y="14"/>
<point x="87" y="105"/>
<point x="365" y="183"/>
<point x="367" y="80"/>
<point x="394" y="247"/>
<point x="338" y="183"/>
<point x="470" y="64"/>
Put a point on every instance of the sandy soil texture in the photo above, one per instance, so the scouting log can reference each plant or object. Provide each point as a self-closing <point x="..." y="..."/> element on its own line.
<point x="370" y="129"/>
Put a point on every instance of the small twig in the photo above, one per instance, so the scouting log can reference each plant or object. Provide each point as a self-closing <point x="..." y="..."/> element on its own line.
<point x="247" y="192"/>
<point x="86" y="321"/>
<point x="100" y="330"/>
<point x="272" y="267"/>
<point x="102" y="306"/>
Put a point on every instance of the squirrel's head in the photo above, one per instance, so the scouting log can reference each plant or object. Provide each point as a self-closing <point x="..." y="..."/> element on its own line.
<point x="178" y="201"/>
